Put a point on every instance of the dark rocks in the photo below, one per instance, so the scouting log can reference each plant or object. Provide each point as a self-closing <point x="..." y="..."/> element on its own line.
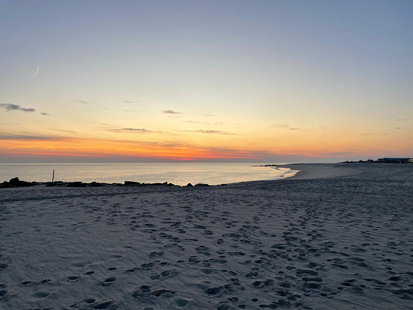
<point x="15" y="182"/>
<point x="131" y="183"/>
<point x="76" y="184"/>
<point x="55" y="183"/>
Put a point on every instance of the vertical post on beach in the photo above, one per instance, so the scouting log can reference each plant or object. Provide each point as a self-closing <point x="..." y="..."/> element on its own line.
<point x="53" y="176"/>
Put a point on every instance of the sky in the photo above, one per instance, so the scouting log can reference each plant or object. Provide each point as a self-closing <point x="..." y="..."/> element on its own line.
<point x="205" y="81"/>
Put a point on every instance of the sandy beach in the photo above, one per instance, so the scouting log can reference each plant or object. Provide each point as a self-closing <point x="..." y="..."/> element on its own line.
<point x="334" y="236"/>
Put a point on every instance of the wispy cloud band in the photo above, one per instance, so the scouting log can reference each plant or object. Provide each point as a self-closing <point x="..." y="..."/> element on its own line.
<point x="285" y="126"/>
<point x="131" y="130"/>
<point x="215" y="132"/>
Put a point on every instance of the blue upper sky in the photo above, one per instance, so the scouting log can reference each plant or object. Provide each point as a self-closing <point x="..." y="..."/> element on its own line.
<point x="307" y="74"/>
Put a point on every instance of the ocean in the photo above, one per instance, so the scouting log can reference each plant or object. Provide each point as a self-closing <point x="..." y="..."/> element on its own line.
<point x="176" y="173"/>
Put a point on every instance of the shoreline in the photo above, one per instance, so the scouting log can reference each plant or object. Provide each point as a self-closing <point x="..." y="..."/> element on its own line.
<point x="319" y="170"/>
<point x="178" y="174"/>
<point x="299" y="171"/>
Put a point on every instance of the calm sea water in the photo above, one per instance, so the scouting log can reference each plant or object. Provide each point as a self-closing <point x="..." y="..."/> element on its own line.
<point x="177" y="173"/>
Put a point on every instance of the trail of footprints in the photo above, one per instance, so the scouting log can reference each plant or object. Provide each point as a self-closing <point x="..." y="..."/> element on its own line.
<point x="274" y="266"/>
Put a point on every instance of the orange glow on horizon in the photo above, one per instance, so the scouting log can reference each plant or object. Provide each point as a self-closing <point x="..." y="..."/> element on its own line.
<point x="266" y="148"/>
<point x="92" y="148"/>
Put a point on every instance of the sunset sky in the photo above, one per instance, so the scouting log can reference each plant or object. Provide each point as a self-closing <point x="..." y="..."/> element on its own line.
<point x="219" y="81"/>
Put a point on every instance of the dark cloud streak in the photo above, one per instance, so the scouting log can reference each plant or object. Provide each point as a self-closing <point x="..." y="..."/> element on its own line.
<point x="24" y="137"/>
<point x="170" y="112"/>
<point x="14" y="107"/>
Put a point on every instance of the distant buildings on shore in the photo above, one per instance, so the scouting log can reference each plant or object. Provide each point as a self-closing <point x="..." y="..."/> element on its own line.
<point x="384" y="161"/>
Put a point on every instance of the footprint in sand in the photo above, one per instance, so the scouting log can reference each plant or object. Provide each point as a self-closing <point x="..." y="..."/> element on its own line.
<point x="116" y="256"/>
<point x="145" y="293"/>
<point x="108" y="281"/>
<point x="41" y="294"/>
<point x="182" y="302"/>
<point x="156" y="254"/>
<point x="3" y="292"/>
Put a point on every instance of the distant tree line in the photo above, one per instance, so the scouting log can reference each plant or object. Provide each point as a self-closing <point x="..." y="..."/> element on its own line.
<point x="386" y="160"/>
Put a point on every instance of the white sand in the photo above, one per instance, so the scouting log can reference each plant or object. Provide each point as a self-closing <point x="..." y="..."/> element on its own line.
<point x="314" y="243"/>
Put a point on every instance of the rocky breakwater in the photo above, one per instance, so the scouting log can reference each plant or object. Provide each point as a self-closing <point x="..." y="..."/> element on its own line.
<point x="15" y="182"/>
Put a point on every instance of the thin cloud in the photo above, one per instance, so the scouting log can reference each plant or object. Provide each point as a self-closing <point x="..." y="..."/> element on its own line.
<point x="83" y="101"/>
<point x="63" y="130"/>
<point x="285" y="126"/>
<point x="154" y="143"/>
<point x="129" y="111"/>
<point x="205" y="123"/>
<point x="398" y="128"/>
<point x="131" y="130"/>
<point x="279" y="125"/>
<point x="171" y="112"/>
<point x="195" y="122"/>
<point x="212" y="115"/>
<point x="14" y="107"/>
<point x="11" y="136"/>
<point x="113" y="126"/>
<point x="213" y="132"/>
<point x="379" y="150"/>
<point x="37" y="71"/>
<point x="340" y="153"/>
<point x="366" y="134"/>
<point x="128" y="101"/>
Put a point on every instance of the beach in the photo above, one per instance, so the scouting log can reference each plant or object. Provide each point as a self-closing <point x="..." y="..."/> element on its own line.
<point x="334" y="236"/>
